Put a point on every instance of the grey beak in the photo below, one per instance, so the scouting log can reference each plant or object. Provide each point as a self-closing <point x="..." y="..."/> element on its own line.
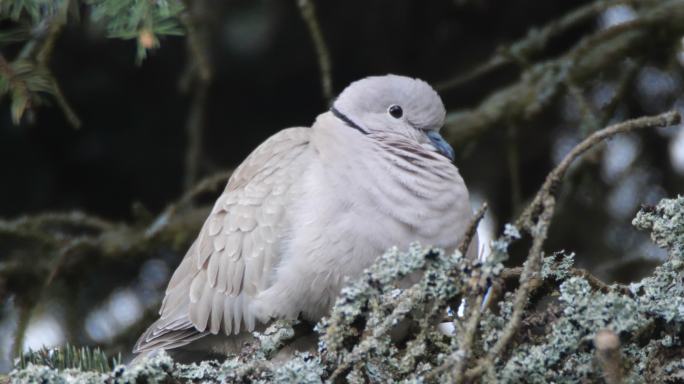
<point x="442" y="146"/>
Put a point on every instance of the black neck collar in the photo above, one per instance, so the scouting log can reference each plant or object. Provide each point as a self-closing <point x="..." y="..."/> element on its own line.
<point x="347" y="120"/>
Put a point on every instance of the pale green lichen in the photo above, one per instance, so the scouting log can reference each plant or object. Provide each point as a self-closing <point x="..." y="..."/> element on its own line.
<point x="666" y="224"/>
<point x="491" y="324"/>
<point x="274" y="337"/>
<point x="559" y="270"/>
<point x="304" y="368"/>
<point x="566" y="355"/>
<point x="585" y="312"/>
<point x="662" y="294"/>
<point x="511" y="231"/>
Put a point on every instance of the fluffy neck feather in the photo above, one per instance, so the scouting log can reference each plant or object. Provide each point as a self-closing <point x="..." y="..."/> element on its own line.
<point x="384" y="172"/>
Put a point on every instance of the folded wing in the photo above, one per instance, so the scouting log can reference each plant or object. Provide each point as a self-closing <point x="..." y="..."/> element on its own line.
<point x="231" y="260"/>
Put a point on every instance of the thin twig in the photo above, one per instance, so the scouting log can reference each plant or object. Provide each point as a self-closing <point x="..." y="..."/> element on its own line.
<point x="478" y="286"/>
<point x="199" y="74"/>
<point x="196" y="42"/>
<point x="472" y="228"/>
<point x="624" y="82"/>
<point x="43" y="60"/>
<point x="466" y="342"/>
<point x="308" y="12"/>
<point x="590" y="121"/>
<point x="195" y="132"/>
<point x="596" y="283"/>
<point x="529" y="279"/>
<point x="69" y="112"/>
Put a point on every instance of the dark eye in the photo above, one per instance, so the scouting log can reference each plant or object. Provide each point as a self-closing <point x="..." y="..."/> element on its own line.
<point x="395" y="111"/>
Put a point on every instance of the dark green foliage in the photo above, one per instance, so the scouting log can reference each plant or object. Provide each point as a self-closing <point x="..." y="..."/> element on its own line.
<point x="142" y="20"/>
<point x="35" y="24"/>
<point x="68" y="357"/>
<point x="36" y="10"/>
<point x="26" y="84"/>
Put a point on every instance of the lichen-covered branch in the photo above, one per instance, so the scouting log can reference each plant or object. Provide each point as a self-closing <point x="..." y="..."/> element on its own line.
<point x="574" y="338"/>
<point x="536" y="219"/>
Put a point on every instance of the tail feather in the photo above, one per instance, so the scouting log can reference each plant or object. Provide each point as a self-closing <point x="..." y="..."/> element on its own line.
<point x="160" y="336"/>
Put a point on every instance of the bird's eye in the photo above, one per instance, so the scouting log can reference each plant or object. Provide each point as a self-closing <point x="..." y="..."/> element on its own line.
<point x="395" y="111"/>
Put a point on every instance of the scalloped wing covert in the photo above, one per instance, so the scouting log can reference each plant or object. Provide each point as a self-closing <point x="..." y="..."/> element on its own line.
<point x="232" y="259"/>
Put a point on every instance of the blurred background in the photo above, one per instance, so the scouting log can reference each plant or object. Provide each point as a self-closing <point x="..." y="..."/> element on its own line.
<point x="120" y="121"/>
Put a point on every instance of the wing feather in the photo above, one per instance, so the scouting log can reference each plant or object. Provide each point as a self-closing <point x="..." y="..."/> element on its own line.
<point x="231" y="260"/>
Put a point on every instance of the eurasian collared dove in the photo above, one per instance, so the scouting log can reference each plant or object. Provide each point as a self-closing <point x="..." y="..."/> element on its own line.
<point x="311" y="207"/>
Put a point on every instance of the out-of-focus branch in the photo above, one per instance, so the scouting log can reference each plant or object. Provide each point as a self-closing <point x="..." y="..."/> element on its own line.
<point x="308" y="12"/>
<point x="624" y="82"/>
<point x="58" y="244"/>
<point x="532" y="44"/>
<point x="590" y="122"/>
<point x="68" y="232"/>
<point x="197" y="41"/>
<point x="542" y="82"/>
<point x="69" y="112"/>
<point x="25" y="311"/>
<point x="210" y="183"/>
<point x="554" y="178"/>
<point x="194" y="127"/>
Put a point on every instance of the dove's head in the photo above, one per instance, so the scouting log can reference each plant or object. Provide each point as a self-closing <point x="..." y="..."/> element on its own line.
<point x="394" y="105"/>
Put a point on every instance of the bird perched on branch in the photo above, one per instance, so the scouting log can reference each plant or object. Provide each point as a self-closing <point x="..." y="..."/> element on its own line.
<point x="312" y="207"/>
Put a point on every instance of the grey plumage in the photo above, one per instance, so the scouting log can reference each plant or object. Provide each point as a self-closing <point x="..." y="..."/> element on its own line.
<point x="311" y="207"/>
